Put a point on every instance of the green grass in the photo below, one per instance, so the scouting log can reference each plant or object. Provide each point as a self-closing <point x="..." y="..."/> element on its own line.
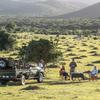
<point x="53" y="87"/>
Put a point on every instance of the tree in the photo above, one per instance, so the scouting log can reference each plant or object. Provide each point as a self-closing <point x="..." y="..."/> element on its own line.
<point x="6" y="41"/>
<point x="41" y="49"/>
<point x="10" y="27"/>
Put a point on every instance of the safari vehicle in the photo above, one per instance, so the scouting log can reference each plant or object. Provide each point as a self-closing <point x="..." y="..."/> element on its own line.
<point x="17" y="71"/>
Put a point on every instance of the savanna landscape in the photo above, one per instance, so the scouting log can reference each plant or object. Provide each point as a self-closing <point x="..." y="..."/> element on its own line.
<point x="85" y="50"/>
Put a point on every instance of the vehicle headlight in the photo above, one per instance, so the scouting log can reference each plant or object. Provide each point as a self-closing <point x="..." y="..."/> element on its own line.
<point x="7" y="76"/>
<point x="3" y="76"/>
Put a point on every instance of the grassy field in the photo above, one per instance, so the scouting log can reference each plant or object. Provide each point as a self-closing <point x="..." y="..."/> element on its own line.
<point x="86" y="51"/>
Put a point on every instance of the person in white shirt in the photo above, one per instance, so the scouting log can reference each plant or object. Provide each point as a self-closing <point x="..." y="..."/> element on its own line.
<point x="41" y="64"/>
<point x="94" y="73"/>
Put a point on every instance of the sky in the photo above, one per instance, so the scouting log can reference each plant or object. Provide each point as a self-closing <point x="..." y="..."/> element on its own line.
<point x="84" y="1"/>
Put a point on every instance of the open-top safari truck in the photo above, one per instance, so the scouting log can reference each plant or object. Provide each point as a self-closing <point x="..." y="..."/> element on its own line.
<point x="16" y="70"/>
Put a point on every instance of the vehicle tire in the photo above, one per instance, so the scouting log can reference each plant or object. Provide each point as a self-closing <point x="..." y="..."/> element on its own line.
<point x="40" y="78"/>
<point x="3" y="63"/>
<point x="22" y="80"/>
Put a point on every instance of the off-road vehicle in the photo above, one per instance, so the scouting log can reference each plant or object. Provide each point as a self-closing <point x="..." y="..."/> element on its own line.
<point x="18" y="71"/>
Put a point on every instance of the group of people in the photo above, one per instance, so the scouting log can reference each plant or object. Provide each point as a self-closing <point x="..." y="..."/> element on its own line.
<point x="93" y="73"/>
<point x="73" y="65"/>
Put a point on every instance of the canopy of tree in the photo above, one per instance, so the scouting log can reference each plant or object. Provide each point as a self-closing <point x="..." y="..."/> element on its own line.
<point x="41" y="49"/>
<point x="6" y="41"/>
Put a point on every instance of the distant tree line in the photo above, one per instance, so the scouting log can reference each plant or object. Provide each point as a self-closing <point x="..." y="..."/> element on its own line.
<point x="43" y="49"/>
<point x="51" y="26"/>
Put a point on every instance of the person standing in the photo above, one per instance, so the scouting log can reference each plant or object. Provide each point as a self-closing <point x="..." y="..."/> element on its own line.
<point x="41" y="64"/>
<point x="72" y="66"/>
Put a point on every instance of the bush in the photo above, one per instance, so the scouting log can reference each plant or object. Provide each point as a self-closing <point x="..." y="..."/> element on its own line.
<point x="96" y="62"/>
<point x="52" y="66"/>
<point x="41" y="49"/>
<point x="63" y="37"/>
<point x="6" y="41"/>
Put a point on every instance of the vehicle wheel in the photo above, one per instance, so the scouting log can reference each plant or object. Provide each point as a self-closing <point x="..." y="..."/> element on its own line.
<point x="22" y="80"/>
<point x="40" y="78"/>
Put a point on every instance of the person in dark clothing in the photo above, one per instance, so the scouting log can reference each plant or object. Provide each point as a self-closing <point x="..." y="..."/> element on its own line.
<point x="72" y="66"/>
<point x="63" y="73"/>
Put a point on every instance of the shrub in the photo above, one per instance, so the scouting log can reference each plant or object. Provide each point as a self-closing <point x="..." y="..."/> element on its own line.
<point x="41" y="49"/>
<point x="6" y="40"/>
<point x="52" y="66"/>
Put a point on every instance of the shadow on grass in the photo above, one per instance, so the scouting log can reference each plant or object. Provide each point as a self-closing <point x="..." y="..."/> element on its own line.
<point x="17" y="84"/>
<point x="48" y="82"/>
<point x="32" y="88"/>
<point x="64" y="82"/>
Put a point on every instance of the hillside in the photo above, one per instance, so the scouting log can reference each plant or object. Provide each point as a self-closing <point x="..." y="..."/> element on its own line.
<point x="89" y="12"/>
<point x="38" y="8"/>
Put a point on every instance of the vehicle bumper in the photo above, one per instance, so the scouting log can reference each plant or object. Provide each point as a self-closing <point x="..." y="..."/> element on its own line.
<point x="9" y="79"/>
